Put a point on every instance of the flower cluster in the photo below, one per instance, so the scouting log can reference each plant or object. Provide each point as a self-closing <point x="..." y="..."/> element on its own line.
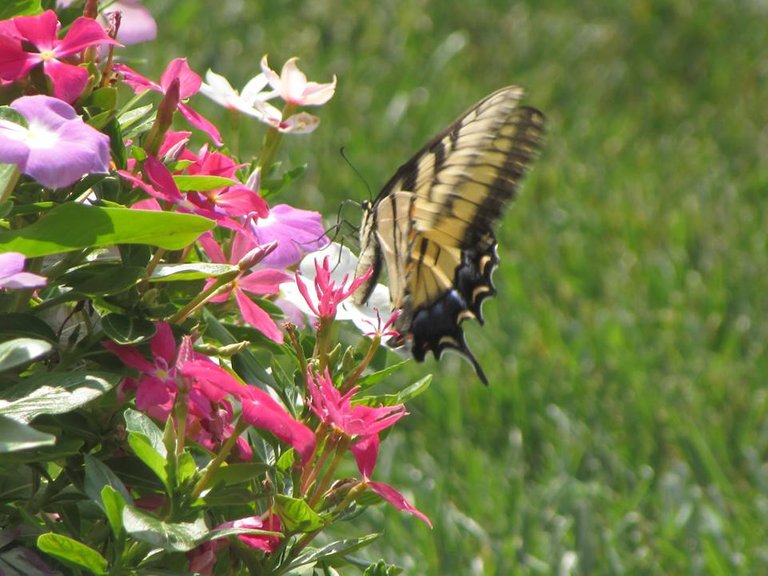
<point x="153" y="299"/>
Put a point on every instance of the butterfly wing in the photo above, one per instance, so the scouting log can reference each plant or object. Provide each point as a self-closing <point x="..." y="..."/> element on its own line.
<point x="432" y="226"/>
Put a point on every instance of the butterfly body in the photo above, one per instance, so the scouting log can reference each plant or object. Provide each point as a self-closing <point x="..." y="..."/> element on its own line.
<point x="432" y="225"/>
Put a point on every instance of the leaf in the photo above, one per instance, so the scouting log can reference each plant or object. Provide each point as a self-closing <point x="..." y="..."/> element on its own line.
<point x="21" y="351"/>
<point x="103" y="278"/>
<point x="97" y="476"/>
<point x="143" y="449"/>
<point x="191" y="271"/>
<point x="63" y="448"/>
<point x="11" y="8"/>
<point x="333" y="550"/>
<point x="114" y="504"/>
<point x="55" y="393"/>
<point x="370" y="379"/>
<point x="174" y="537"/>
<point x="25" y="325"/>
<point x="72" y="552"/>
<point x="188" y="183"/>
<point x="381" y="568"/>
<point x="135" y="421"/>
<point x="297" y="515"/>
<point x="127" y="330"/>
<point x="232" y="474"/>
<point x="96" y="227"/>
<point x="15" y="436"/>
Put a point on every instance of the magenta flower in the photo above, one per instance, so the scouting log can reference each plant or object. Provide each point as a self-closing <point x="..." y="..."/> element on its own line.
<point x="328" y="295"/>
<point x="296" y="231"/>
<point x="259" y="409"/>
<point x="56" y="147"/>
<point x="12" y="273"/>
<point x="189" y="85"/>
<point x="265" y="542"/>
<point x="260" y="282"/>
<point x="362" y="424"/>
<point x="209" y="389"/>
<point x="32" y="41"/>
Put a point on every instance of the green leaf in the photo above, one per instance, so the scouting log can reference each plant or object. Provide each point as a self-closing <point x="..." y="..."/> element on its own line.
<point x="72" y="552"/>
<point x="381" y="568"/>
<point x="415" y="389"/>
<point x="21" y="351"/>
<point x="191" y="271"/>
<point x="16" y="436"/>
<point x="333" y="550"/>
<point x="143" y="449"/>
<point x="127" y="330"/>
<point x="96" y="227"/>
<point x="11" y="8"/>
<point x="188" y="183"/>
<point x="187" y="467"/>
<point x="114" y="504"/>
<point x="55" y="393"/>
<point x="103" y="278"/>
<point x="25" y="325"/>
<point x="297" y="515"/>
<point x="135" y="421"/>
<point x="238" y="473"/>
<point x="370" y="379"/>
<point x="174" y="537"/>
<point x="105" y="98"/>
<point x="97" y="476"/>
<point x="9" y="174"/>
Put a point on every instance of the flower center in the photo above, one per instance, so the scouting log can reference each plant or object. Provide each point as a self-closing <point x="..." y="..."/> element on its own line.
<point x="40" y="137"/>
<point x="47" y="55"/>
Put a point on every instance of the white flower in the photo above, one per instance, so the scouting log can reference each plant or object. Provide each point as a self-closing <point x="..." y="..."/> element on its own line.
<point x="292" y="85"/>
<point x="344" y="263"/>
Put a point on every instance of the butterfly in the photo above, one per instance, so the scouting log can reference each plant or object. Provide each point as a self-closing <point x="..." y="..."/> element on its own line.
<point x="432" y="225"/>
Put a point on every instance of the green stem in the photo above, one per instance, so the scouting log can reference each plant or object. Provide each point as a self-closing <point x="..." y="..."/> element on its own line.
<point x="271" y="143"/>
<point x="349" y="382"/>
<point x="325" y="483"/>
<point x="214" y="290"/>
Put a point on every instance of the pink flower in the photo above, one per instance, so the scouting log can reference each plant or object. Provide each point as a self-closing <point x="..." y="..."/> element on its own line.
<point x="258" y="407"/>
<point x="209" y="389"/>
<point x="328" y="295"/>
<point x="32" y="41"/>
<point x="12" y="273"/>
<point x="261" y="282"/>
<point x="189" y="85"/>
<point x="363" y="424"/>
<point x="265" y="542"/>
<point x="292" y="85"/>
<point x="56" y="147"/>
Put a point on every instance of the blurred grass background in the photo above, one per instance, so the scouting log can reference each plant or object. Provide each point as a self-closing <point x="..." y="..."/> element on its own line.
<point x="625" y="428"/>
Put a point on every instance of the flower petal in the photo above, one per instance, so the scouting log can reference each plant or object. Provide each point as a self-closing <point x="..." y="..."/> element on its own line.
<point x="397" y="500"/>
<point x="83" y="33"/>
<point x="257" y="318"/>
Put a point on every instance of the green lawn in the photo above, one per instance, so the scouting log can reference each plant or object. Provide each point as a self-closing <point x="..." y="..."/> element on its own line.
<point x="625" y="428"/>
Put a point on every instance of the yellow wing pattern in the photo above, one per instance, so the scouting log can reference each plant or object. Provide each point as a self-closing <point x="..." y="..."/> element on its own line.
<point x="432" y="225"/>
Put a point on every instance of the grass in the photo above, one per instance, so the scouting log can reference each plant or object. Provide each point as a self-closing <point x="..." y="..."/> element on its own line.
<point x="625" y="429"/>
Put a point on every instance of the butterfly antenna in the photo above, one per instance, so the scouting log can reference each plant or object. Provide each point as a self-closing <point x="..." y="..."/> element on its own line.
<point x="343" y="153"/>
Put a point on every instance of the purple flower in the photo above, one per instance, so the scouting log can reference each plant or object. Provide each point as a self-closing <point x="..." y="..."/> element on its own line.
<point x="57" y="147"/>
<point x="12" y="273"/>
<point x="297" y="231"/>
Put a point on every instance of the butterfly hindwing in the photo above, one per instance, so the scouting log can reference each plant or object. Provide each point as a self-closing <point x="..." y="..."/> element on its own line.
<point x="432" y="225"/>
